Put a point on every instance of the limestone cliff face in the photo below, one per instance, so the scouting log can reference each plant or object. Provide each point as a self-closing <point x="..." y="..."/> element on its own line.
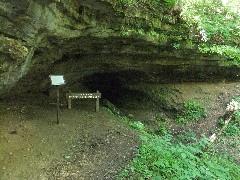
<point x="86" y="38"/>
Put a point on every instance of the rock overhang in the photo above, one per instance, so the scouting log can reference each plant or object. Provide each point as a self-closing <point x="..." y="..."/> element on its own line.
<point x="85" y="39"/>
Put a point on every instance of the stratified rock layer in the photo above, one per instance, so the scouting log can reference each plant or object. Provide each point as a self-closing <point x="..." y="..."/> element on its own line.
<point x="85" y="40"/>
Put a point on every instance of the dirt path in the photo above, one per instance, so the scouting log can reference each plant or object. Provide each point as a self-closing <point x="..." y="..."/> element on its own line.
<point x="85" y="145"/>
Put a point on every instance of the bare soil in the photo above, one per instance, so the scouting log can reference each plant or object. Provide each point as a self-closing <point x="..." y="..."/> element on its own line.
<point x="86" y="144"/>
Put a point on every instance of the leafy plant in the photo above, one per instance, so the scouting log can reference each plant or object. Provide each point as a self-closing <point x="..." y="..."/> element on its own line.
<point x="189" y="43"/>
<point x="237" y="99"/>
<point x="188" y="137"/>
<point x="112" y="110"/>
<point x="163" y="130"/>
<point x="232" y="53"/>
<point x="170" y="2"/>
<point x="140" y="32"/>
<point x="154" y="2"/>
<point x="176" y="45"/>
<point x="153" y="33"/>
<point x="162" y="125"/>
<point x="221" y="122"/>
<point x="192" y="111"/>
<point x="137" y="125"/>
<point x="233" y="128"/>
<point x="159" y="158"/>
<point x="181" y="120"/>
<point x="124" y="31"/>
<point x="216" y="25"/>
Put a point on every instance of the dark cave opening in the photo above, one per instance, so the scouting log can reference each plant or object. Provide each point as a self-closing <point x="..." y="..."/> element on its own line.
<point x="115" y="87"/>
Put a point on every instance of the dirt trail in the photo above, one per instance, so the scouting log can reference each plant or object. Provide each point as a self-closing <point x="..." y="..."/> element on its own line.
<point x="85" y="145"/>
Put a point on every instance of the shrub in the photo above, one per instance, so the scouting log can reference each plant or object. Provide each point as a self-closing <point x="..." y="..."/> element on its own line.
<point x="159" y="158"/>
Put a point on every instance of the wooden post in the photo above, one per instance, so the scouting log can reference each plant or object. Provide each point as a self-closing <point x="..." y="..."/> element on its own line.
<point x="69" y="101"/>
<point x="97" y="102"/>
<point x="58" y="105"/>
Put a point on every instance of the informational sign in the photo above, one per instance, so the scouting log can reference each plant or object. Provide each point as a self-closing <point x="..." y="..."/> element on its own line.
<point x="84" y="95"/>
<point x="57" y="80"/>
<point x="71" y="96"/>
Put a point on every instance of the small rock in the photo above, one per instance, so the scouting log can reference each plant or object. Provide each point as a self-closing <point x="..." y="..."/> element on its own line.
<point x="13" y="132"/>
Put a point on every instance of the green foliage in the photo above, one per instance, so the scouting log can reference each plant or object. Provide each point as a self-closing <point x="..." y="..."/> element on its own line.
<point x="211" y="25"/>
<point x="162" y="125"/>
<point x="152" y="3"/>
<point x="163" y="130"/>
<point x="221" y="122"/>
<point x="234" y="143"/>
<point x="233" y="128"/>
<point x="189" y="44"/>
<point x="137" y="125"/>
<point x="237" y="99"/>
<point x="232" y="53"/>
<point x="176" y="45"/>
<point x="216" y="24"/>
<point x="211" y="18"/>
<point x="124" y="31"/>
<point x="153" y="33"/>
<point x="159" y="118"/>
<point x="170" y="2"/>
<point x="188" y="137"/>
<point x="112" y="110"/>
<point x="127" y="2"/>
<point x="192" y="111"/>
<point x="159" y="158"/>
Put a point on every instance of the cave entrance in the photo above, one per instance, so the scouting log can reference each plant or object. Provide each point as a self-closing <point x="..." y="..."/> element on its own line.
<point x="116" y="87"/>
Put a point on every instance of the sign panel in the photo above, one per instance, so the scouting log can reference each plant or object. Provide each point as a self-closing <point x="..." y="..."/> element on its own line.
<point x="71" y="96"/>
<point x="57" y="80"/>
<point x="83" y="95"/>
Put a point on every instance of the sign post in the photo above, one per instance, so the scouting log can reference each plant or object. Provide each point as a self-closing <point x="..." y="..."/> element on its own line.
<point x="58" y="105"/>
<point x="57" y="80"/>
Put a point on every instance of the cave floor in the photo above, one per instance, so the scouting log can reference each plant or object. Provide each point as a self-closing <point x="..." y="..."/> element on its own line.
<point x="86" y="144"/>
